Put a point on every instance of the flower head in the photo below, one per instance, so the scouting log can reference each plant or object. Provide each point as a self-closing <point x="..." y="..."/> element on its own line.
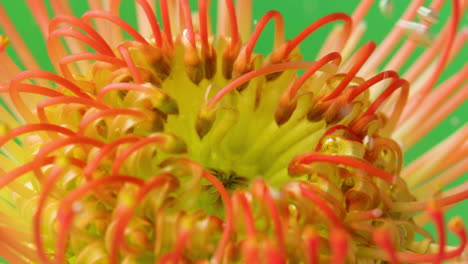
<point x="169" y="143"/>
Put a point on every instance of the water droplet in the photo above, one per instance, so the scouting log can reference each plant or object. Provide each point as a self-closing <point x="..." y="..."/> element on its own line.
<point x="428" y="15"/>
<point x="386" y="7"/>
<point x="417" y="32"/>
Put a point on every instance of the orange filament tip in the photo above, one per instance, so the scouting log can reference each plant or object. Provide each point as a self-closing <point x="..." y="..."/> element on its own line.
<point x="4" y="129"/>
<point x="4" y="42"/>
<point x="456" y="225"/>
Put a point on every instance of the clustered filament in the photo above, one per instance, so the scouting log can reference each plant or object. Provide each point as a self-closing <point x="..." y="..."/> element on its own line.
<point x="180" y="146"/>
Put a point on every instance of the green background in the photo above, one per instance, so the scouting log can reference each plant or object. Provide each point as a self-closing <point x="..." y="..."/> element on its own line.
<point x="298" y="14"/>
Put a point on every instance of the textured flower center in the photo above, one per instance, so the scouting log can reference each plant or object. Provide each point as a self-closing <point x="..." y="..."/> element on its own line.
<point x="182" y="147"/>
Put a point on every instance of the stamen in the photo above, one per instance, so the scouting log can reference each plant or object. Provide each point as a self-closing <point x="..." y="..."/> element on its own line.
<point x="291" y="45"/>
<point x="22" y="108"/>
<point x="71" y="20"/>
<point x="121" y="86"/>
<point x="455" y="17"/>
<point x="297" y="65"/>
<point x="87" y="120"/>
<point x="12" y="175"/>
<point x="130" y="64"/>
<point x="9" y="67"/>
<point x="334" y="202"/>
<point x="159" y="225"/>
<point x="166" y="21"/>
<point x="339" y="241"/>
<point x="39" y="12"/>
<point x="65" y="212"/>
<point x="398" y="108"/>
<point x="40" y="74"/>
<point x="444" y="179"/>
<point x="244" y="62"/>
<point x="312" y="241"/>
<point x="60" y="143"/>
<point x="106" y="150"/>
<point x="335" y="222"/>
<point x="287" y="103"/>
<point x="456" y="226"/>
<point x="362" y="55"/>
<point x="227" y="207"/>
<point x="460" y="195"/>
<point x="28" y="128"/>
<point x="235" y="39"/>
<point x="240" y="198"/>
<point x="420" y="66"/>
<point x="274" y="254"/>
<point x="419" y="171"/>
<point x="56" y="49"/>
<point x="422" y="35"/>
<point x="152" y="21"/>
<point x="59" y="7"/>
<point x="116" y="20"/>
<point x="438" y="97"/>
<point x="361" y="11"/>
<point x="386" y="144"/>
<point x="383" y="238"/>
<point x="47" y="187"/>
<point x="21" y="48"/>
<point x="188" y="32"/>
<point x="361" y="216"/>
<point x="329" y="189"/>
<point x="34" y="89"/>
<point x="260" y="189"/>
<point x="296" y="165"/>
<point x="125" y="215"/>
<point x="11" y="254"/>
<point x="372" y="81"/>
<point x="437" y="117"/>
<point x="391" y="39"/>
<point x="250" y="251"/>
<point x="203" y="20"/>
<point x="159" y="140"/>
<point x="437" y="216"/>
<point x="333" y="57"/>
<point x="365" y="182"/>
<point x="65" y="100"/>
<point x="182" y="240"/>
<point x="86" y="56"/>
<point x="279" y="32"/>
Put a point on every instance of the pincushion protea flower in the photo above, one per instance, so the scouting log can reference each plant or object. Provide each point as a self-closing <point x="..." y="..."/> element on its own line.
<point x="172" y="144"/>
